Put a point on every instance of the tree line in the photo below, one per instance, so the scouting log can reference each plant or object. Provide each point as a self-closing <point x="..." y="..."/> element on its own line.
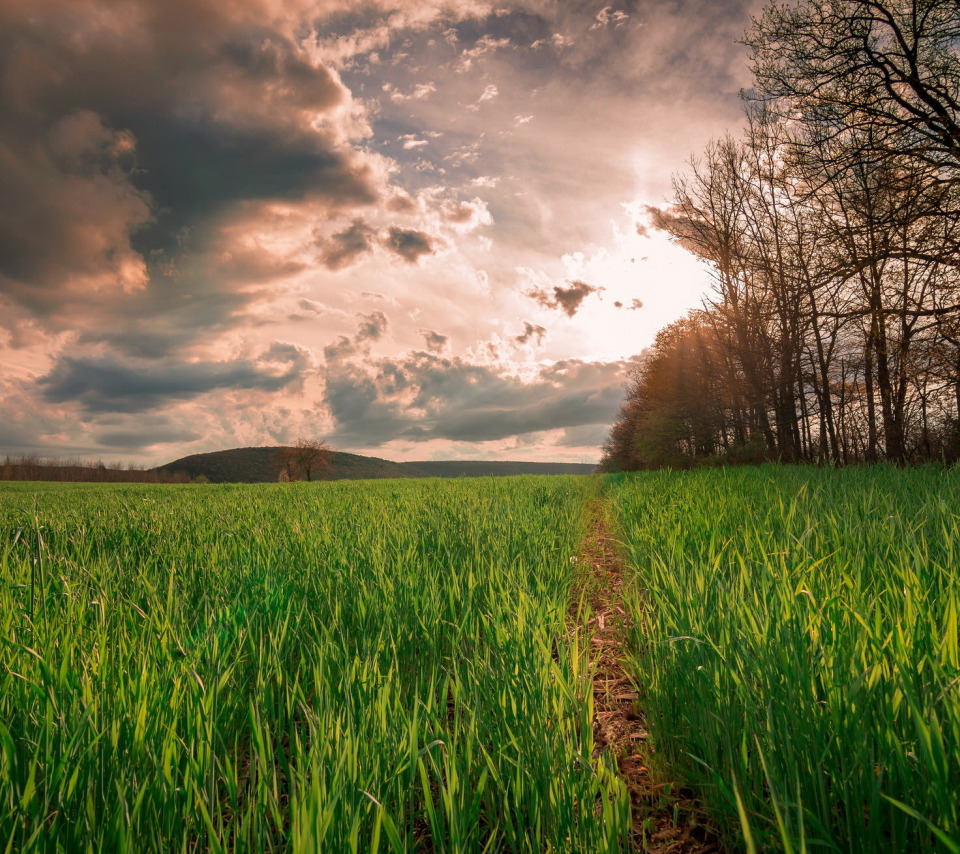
<point x="831" y="231"/>
<point x="30" y="467"/>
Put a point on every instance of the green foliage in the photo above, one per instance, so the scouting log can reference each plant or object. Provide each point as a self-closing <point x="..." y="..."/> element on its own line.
<point x="300" y="668"/>
<point x="800" y="660"/>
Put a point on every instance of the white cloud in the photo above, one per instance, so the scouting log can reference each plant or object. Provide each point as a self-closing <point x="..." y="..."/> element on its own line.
<point x="608" y="16"/>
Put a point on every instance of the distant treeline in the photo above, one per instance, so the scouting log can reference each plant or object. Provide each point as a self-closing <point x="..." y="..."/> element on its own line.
<point x="832" y="231"/>
<point x="32" y="467"/>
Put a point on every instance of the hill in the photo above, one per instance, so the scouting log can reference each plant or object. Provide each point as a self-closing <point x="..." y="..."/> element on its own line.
<point x="258" y="465"/>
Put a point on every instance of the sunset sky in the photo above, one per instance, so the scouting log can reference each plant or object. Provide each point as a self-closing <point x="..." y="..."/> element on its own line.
<point x="415" y="228"/>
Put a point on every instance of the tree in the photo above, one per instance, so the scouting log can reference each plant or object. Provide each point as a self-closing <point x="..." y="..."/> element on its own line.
<point x="677" y="413"/>
<point x="306" y="459"/>
<point x="887" y="67"/>
<point x="833" y="235"/>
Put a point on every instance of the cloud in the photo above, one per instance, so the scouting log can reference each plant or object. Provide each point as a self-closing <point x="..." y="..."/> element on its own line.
<point x="690" y="229"/>
<point x="466" y="216"/>
<point x="147" y="432"/>
<point x="411" y="142"/>
<point x="378" y="297"/>
<point x="347" y="247"/>
<point x="136" y="135"/>
<point x="567" y="299"/>
<point x="68" y="209"/>
<point x="372" y="326"/>
<point x="635" y="305"/>
<point x="409" y="244"/>
<point x="315" y="308"/>
<point x="108" y="383"/>
<point x="424" y="396"/>
<point x="401" y="203"/>
<point x="418" y="93"/>
<point x="184" y="183"/>
<point x="435" y="341"/>
<point x="608" y="16"/>
<point x="484" y="46"/>
<point x="531" y="332"/>
<point x="558" y="40"/>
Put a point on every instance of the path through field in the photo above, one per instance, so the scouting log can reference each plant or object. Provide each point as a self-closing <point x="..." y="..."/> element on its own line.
<point x="666" y="819"/>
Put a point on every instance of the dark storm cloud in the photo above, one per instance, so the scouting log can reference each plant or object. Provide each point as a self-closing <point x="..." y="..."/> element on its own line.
<point x="128" y="129"/>
<point x="348" y="246"/>
<point x="425" y="396"/>
<point x="67" y="206"/>
<point x="409" y="244"/>
<point x="196" y="169"/>
<point x="108" y="383"/>
<point x="568" y="300"/>
<point x="435" y="341"/>
<point x="531" y="332"/>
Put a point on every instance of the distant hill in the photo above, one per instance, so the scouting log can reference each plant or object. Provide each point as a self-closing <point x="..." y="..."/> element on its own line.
<point x="258" y="465"/>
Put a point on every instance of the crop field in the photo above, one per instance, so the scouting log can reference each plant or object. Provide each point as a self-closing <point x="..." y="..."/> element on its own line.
<point x="304" y="667"/>
<point x="391" y="666"/>
<point x="800" y="661"/>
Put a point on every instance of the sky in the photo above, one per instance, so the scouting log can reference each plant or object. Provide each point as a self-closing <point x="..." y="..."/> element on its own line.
<point x="416" y="229"/>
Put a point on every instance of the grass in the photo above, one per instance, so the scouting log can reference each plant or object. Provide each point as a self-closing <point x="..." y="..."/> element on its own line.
<point x="800" y="660"/>
<point x="385" y="666"/>
<point x="307" y="667"/>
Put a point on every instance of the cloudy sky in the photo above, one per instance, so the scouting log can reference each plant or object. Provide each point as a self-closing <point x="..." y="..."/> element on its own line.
<point x="415" y="228"/>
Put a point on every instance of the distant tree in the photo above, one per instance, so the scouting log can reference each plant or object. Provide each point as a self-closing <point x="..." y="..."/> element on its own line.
<point x="306" y="459"/>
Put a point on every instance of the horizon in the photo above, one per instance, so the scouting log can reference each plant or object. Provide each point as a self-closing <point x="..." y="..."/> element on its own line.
<point x="17" y="459"/>
<point x="418" y="230"/>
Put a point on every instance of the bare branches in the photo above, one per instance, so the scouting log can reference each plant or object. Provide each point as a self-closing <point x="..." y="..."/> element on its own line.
<point x="833" y="236"/>
<point x="889" y="67"/>
<point x="306" y="459"/>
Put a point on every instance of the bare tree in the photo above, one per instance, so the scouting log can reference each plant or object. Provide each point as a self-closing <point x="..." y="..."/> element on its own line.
<point x="833" y="234"/>
<point x="887" y="66"/>
<point x="306" y="459"/>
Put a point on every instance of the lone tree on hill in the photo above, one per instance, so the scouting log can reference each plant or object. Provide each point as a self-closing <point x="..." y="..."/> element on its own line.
<point x="304" y="460"/>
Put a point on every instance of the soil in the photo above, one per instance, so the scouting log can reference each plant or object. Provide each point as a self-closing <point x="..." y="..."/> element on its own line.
<point x="666" y="817"/>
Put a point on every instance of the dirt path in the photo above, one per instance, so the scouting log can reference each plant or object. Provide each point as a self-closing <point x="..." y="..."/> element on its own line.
<point x="666" y="819"/>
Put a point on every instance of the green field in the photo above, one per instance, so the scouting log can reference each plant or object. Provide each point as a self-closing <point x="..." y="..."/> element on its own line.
<point x="390" y="665"/>
<point x="800" y="662"/>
